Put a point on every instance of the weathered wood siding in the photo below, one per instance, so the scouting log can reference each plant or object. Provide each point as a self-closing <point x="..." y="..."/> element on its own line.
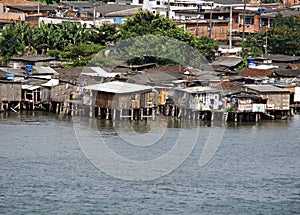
<point x="277" y="101"/>
<point x="199" y="101"/>
<point x="122" y="101"/>
<point x="10" y="91"/>
<point x="245" y="105"/>
<point x="61" y="92"/>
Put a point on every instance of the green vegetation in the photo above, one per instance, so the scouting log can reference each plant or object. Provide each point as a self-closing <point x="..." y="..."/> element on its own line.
<point x="282" y="38"/>
<point x="147" y="23"/>
<point x="77" y="44"/>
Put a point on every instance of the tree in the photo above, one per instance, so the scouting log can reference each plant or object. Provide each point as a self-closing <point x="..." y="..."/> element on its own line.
<point x="102" y="35"/>
<point x="282" y="38"/>
<point x="147" y="23"/>
<point x="206" y="46"/>
<point x="10" y="43"/>
<point x="79" y="55"/>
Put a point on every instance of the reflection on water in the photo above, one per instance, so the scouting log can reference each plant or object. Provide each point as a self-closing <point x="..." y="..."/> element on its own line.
<point x="256" y="169"/>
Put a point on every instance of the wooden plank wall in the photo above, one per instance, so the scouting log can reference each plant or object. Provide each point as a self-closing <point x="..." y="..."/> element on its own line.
<point x="10" y="91"/>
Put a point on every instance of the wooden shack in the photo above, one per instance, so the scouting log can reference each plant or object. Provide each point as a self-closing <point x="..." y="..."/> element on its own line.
<point x="199" y="101"/>
<point x="277" y="99"/>
<point x="10" y="95"/>
<point x="119" y="96"/>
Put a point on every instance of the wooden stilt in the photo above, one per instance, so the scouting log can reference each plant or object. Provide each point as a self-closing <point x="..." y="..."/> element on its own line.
<point x="114" y="114"/>
<point x="132" y="114"/>
<point x="107" y="114"/>
<point x="179" y="112"/>
<point x="142" y="113"/>
<point x="91" y="111"/>
<point x="57" y="107"/>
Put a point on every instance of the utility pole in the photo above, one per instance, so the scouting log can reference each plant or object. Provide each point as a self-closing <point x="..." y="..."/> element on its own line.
<point x="230" y="29"/>
<point x="94" y="15"/>
<point x="38" y="7"/>
<point x="244" y="14"/>
<point x="210" y="21"/>
<point x="168" y="9"/>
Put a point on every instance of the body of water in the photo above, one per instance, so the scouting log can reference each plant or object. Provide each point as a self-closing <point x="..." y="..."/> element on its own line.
<point x="256" y="170"/>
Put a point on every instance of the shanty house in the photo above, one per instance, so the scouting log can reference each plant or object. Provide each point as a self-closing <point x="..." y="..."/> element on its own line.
<point x="199" y="98"/>
<point x="276" y="98"/>
<point x="120" y="95"/>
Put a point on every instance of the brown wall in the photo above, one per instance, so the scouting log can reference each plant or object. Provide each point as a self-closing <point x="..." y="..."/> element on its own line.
<point x="19" y="2"/>
<point x="219" y="30"/>
<point x="10" y="91"/>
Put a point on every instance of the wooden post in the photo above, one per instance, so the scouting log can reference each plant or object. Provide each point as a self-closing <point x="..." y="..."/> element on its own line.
<point x="173" y="111"/>
<point x="121" y="113"/>
<point x="226" y="116"/>
<point x="179" y="112"/>
<point x="61" y="107"/>
<point x="167" y="110"/>
<point x="158" y="110"/>
<point x="114" y="114"/>
<point x="57" y="107"/>
<point x="72" y="110"/>
<point x="33" y="103"/>
<point x="142" y="113"/>
<point x="132" y="113"/>
<point x="99" y="111"/>
<point x="153" y="114"/>
<point x="107" y="114"/>
<point x="91" y="111"/>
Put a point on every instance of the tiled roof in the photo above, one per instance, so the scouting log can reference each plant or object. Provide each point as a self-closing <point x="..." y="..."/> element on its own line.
<point x="252" y="72"/>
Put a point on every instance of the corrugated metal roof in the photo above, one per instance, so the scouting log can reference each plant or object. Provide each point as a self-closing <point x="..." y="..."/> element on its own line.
<point x="51" y="83"/>
<point x="227" y="61"/>
<point x="32" y="58"/>
<point x="198" y="89"/>
<point x="118" y="87"/>
<point x="228" y="2"/>
<point x="265" y="88"/>
<point x="99" y="72"/>
<point x="43" y="70"/>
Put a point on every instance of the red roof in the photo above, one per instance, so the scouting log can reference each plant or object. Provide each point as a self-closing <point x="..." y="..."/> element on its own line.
<point x="294" y="66"/>
<point x="252" y="72"/>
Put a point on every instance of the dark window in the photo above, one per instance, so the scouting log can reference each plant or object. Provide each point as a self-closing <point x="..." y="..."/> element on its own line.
<point x="249" y="20"/>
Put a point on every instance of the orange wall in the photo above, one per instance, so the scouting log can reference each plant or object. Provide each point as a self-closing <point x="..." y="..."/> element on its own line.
<point x="19" y="2"/>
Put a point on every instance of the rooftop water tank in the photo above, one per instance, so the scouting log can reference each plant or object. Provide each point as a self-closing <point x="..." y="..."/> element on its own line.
<point x="28" y="68"/>
<point x="261" y="10"/>
<point x="10" y="76"/>
<point x="251" y="63"/>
